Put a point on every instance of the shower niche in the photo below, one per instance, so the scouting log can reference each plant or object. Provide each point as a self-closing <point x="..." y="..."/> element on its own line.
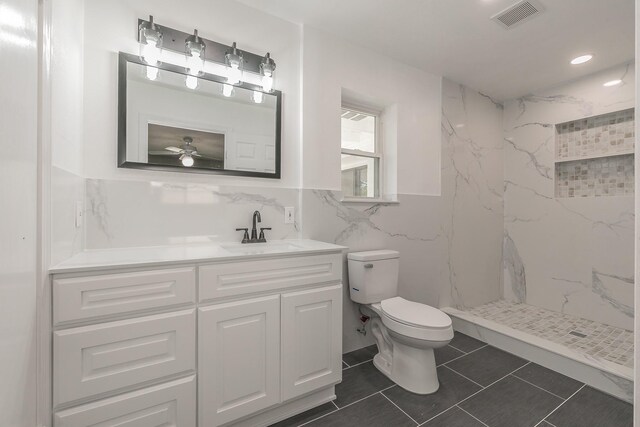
<point x="594" y="156"/>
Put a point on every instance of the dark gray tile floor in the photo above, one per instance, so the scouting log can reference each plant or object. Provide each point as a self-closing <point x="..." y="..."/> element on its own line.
<point x="479" y="386"/>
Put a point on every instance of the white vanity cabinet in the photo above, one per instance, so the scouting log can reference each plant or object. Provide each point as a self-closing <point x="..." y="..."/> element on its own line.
<point x="247" y="341"/>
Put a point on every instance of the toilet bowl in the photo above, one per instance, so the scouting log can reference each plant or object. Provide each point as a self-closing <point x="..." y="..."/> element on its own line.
<point x="406" y="332"/>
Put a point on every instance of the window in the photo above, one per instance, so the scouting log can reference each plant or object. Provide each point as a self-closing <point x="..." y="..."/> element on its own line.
<point x="361" y="154"/>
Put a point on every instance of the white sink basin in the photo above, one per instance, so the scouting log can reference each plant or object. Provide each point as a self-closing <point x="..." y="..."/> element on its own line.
<point x="260" y="248"/>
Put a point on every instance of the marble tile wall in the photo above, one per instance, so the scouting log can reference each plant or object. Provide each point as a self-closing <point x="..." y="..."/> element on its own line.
<point x="139" y="213"/>
<point x="571" y="255"/>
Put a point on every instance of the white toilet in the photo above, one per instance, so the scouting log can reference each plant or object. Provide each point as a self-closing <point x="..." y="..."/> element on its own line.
<point x="406" y="332"/>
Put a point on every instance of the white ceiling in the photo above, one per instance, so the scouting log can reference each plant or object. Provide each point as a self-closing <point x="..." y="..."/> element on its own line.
<point x="457" y="39"/>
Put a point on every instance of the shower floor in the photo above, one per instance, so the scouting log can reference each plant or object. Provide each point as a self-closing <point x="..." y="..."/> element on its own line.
<point x="590" y="338"/>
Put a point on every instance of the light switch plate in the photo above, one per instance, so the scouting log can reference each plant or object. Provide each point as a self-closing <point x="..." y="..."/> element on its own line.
<point x="289" y="215"/>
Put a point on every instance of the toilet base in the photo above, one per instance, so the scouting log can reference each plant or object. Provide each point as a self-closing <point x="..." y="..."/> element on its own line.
<point x="413" y="369"/>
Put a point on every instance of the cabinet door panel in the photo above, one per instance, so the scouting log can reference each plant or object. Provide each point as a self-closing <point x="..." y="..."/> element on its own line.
<point x="168" y="404"/>
<point x="311" y="340"/>
<point x="239" y="359"/>
<point x="95" y="359"/>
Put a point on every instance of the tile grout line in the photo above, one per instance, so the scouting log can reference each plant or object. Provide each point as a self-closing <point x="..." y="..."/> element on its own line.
<point x="559" y="406"/>
<point x="393" y="403"/>
<point x="541" y="388"/>
<point x="346" y="406"/>
<point x="471" y="395"/>
<point x="465" y="354"/>
<point x="357" y="364"/>
<point x="465" y="377"/>
<point x="316" y="419"/>
<point x="472" y="416"/>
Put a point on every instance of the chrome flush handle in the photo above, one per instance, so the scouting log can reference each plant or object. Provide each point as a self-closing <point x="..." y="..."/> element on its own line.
<point x="368" y="266"/>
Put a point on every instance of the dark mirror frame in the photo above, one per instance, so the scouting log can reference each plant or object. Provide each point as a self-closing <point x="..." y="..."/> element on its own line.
<point x="123" y="59"/>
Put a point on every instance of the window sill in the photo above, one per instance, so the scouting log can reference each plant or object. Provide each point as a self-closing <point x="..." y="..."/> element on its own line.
<point x="371" y="201"/>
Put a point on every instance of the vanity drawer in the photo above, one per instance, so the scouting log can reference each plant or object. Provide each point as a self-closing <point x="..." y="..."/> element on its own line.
<point x="80" y="298"/>
<point x="169" y="404"/>
<point x="95" y="359"/>
<point x="245" y="277"/>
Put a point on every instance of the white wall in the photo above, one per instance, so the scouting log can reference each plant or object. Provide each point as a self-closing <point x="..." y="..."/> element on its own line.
<point x="64" y="109"/>
<point x="111" y="27"/>
<point x="19" y="195"/>
<point x="331" y="67"/>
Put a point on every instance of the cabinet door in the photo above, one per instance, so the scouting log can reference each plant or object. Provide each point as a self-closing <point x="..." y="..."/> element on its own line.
<point x="238" y="358"/>
<point x="311" y="340"/>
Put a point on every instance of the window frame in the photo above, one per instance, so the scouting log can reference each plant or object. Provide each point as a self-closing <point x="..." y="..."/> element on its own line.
<point x="376" y="154"/>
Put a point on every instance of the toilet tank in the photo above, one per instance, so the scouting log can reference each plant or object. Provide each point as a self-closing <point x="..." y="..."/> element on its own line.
<point x="373" y="275"/>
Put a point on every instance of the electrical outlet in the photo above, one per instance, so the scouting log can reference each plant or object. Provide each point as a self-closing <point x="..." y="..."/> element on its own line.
<point x="79" y="214"/>
<point x="289" y="215"/>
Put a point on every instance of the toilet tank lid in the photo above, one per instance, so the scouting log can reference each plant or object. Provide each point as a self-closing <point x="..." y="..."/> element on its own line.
<point x="373" y="255"/>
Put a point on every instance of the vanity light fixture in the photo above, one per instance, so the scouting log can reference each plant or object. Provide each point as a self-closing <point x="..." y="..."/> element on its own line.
<point x="612" y="83"/>
<point x="154" y="39"/>
<point x="227" y="90"/>
<point x="581" y="59"/>
<point x="267" y="70"/>
<point x="150" y="39"/>
<point x="235" y="65"/>
<point x="257" y="96"/>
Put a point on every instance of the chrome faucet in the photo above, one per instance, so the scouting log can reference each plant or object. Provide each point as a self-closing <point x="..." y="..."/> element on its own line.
<point x="254" y="231"/>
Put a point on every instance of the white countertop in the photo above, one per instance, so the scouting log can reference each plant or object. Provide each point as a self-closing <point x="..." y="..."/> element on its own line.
<point x="98" y="259"/>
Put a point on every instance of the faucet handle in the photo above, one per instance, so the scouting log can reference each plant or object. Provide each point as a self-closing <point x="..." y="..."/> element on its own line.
<point x="245" y="238"/>
<point x="262" y="238"/>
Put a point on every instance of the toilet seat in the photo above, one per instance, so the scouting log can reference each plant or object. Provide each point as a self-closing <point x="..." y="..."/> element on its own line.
<point x="416" y="320"/>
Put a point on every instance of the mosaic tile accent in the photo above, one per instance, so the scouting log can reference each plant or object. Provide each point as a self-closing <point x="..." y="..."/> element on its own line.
<point x="600" y="340"/>
<point x="603" y="176"/>
<point x="603" y="135"/>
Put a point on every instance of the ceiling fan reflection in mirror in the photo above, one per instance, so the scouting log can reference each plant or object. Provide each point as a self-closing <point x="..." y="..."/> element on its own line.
<point x="186" y="152"/>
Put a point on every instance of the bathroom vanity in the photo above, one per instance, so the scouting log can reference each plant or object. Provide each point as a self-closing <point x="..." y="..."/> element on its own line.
<point x="206" y="334"/>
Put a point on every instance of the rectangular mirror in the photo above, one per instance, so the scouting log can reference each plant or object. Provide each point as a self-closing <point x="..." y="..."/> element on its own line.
<point x="165" y="125"/>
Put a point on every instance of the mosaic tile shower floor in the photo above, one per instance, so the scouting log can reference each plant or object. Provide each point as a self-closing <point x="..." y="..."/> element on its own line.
<point x="582" y="335"/>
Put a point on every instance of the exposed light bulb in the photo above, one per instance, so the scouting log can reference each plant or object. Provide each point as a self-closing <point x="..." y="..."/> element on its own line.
<point x="191" y="82"/>
<point x="227" y="90"/>
<point x="235" y="65"/>
<point x="612" y="83"/>
<point x="195" y="48"/>
<point x="267" y="83"/>
<point x="257" y="97"/>
<point x="150" y="42"/>
<point x="187" y="160"/>
<point x="234" y="74"/>
<point x="152" y="73"/>
<point x="151" y="53"/>
<point x="267" y="69"/>
<point x="581" y="59"/>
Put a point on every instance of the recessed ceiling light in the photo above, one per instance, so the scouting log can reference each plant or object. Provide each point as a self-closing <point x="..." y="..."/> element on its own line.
<point x="581" y="59"/>
<point x="612" y="83"/>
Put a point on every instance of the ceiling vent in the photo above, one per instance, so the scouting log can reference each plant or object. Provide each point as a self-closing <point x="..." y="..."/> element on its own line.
<point x="518" y="13"/>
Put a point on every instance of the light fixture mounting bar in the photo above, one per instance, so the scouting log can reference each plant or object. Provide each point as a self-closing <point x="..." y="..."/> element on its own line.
<point x="174" y="40"/>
